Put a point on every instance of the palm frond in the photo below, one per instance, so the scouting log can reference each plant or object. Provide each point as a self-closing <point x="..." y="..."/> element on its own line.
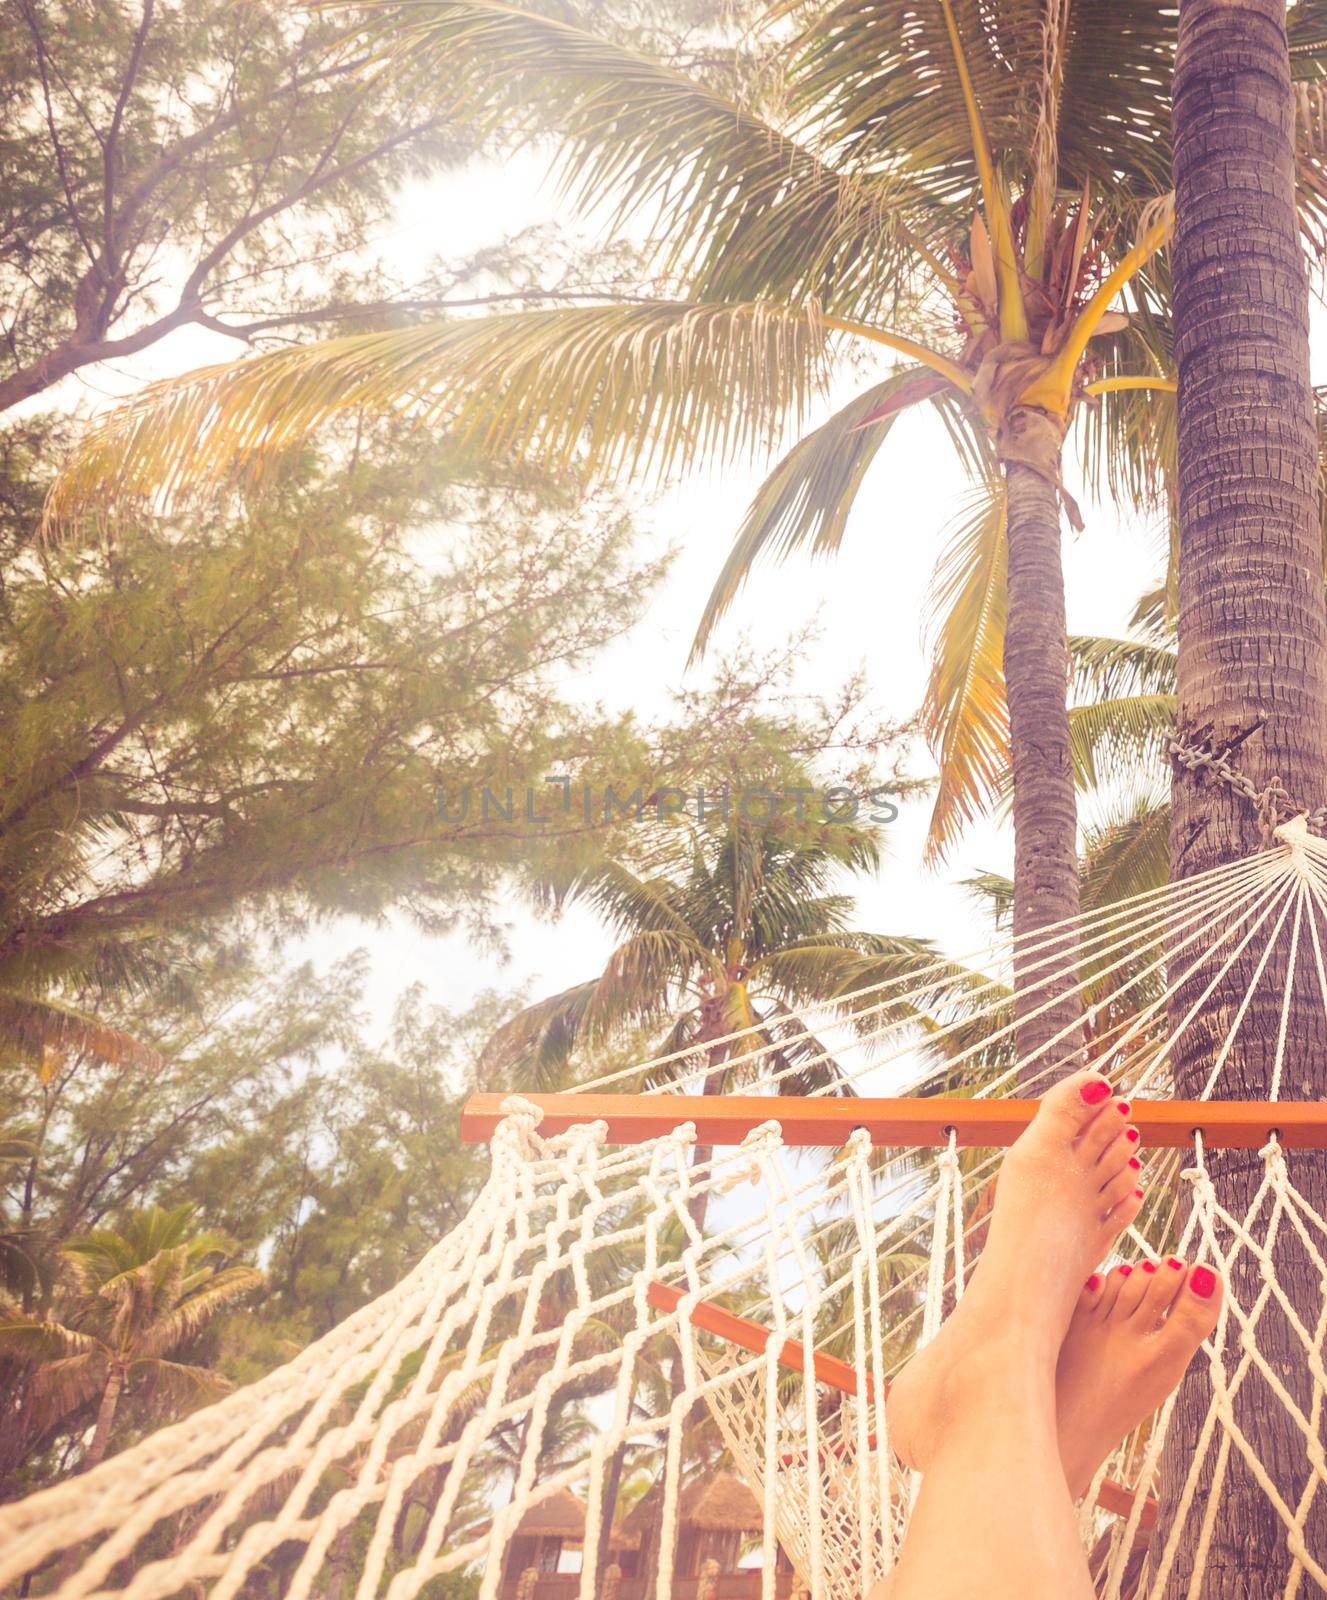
<point x="737" y="207"/>
<point x="806" y="500"/>
<point x="964" y="714"/>
<point x="996" y="891"/>
<point x="834" y="969"/>
<point x="32" y="1339"/>
<point x="1124" y="737"/>
<point x="1106" y="668"/>
<point x="608" y="388"/>
<point x="1128" y="854"/>
<point x="62" y="1385"/>
<point x="639" y="981"/>
<point x="1126" y="437"/>
<point x="875" y="81"/>
<point x="179" y="1384"/>
<point x="38" y="1027"/>
<point x="170" y="1329"/>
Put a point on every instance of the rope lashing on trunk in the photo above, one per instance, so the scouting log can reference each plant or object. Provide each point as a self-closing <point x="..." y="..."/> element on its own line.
<point x="414" y="1440"/>
<point x="1272" y="803"/>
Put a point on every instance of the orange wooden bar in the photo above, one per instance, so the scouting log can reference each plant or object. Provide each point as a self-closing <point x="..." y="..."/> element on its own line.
<point x="747" y="1335"/>
<point x="751" y="1336"/>
<point x="917" y="1122"/>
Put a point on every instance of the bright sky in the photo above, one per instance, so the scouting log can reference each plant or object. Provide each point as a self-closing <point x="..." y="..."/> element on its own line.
<point x="869" y="603"/>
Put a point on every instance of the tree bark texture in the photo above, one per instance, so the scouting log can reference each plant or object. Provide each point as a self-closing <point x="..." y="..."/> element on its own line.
<point x="1036" y="670"/>
<point x="1252" y="634"/>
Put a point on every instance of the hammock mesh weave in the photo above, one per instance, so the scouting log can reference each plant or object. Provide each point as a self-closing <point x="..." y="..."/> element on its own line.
<point x="366" y="1465"/>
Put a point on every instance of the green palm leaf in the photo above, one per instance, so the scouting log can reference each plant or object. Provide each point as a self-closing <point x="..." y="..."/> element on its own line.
<point x="1105" y="668"/>
<point x="1128" y="854"/>
<point x="964" y="714"/>
<point x="875" y="79"/>
<point x="806" y="500"/>
<point x="609" y="388"/>
<point x="1125" y="689"/>
<point x="36" y="1027"/>
<point x="1118" y="738"/>
<point x="737" y="205"/>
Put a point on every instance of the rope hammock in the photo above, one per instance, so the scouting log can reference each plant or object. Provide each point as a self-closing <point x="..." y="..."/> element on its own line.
<point x="837" y="1234"/>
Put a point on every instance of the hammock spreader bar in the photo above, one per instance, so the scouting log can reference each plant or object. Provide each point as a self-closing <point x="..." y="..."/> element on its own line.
<point x="919" y="1121"/>
<point x="836" y="1374"/>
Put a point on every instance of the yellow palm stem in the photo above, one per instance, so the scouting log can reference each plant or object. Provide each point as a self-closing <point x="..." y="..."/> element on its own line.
<point x="920" y="353"/>
<point x="1051" y="391"/>
<point x="1142" y="381"/>
<point x="1013" y="318"/>
<point x="947" y="278"/>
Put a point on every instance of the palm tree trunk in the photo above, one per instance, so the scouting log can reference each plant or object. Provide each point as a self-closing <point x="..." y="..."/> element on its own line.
<point x="1252" y="645"/>
<point x="701" y="1154"/>
<point x="110" y="1404"/>
<point x="612" y="1487"/>
<point x="101" y="1438"/>
<point x="1036" y="669"/>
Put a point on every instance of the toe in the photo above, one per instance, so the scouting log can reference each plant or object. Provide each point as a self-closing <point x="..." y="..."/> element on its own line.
<point x="1134" y="1289"/>
<point x="1113" y="1285"/>
<point x="1094" y="1292"/>
<point x="1165" y="1279"/>
<point x="1118" y="1153"/>
<point x="1122" y="1213"/>
<point x="1075" y="1101"/>
<point x="1196" y="1307"/>
<point x="1107" y="1129"/>
<point x="1119" y="1186"/>
<point x="1132" y="1292"/>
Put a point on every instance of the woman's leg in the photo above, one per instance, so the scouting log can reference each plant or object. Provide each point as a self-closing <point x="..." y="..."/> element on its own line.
<point x="994" y="1518"/>
<point x="975" y="1411"/>
<point x="1133" y="1334"/>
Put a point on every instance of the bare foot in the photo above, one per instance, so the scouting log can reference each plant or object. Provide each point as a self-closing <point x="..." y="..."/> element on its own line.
<point x="1066" y="1190"/>
<point x="1133" y="1333"/>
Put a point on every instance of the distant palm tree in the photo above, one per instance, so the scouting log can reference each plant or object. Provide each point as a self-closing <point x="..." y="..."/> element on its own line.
<point x="40" y="1027"/>
<point x="129" y="1300"/>
<point x="732" y="933"/>
<point x="963" y="187"/>
<point x="20" y="1259"/>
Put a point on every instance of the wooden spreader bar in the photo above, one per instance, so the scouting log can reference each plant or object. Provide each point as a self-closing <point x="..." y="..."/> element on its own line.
<point x="917" y="1122"/>
<point x="836" y="1374"/>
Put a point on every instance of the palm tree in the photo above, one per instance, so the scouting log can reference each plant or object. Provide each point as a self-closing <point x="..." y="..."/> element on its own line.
<point x="1252" y="664"/>
<point x="42" y="1027"/>
<point x="923" y="162"/>
<point x="923" y="196"/>
<point x="731" y="932"/>
<point x="130" y="1300"/>
<point x="20" y="1258"/>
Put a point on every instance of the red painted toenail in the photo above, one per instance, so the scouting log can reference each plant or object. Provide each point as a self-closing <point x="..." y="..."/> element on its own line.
<point x="1124" y="1269"/>
<point x="1202" y="1280"/>
<point x="1149" y="1266"/>
<point x="1135" y="1163"/>
<point x="1138" y="1194"/>
<point x="1131" y="1134"/>
<point x="1093" y="1283"/>
<point x="1123" y="1108"/>
<point x="1174" y="1261"/>
<point x="1095" y="1091"/>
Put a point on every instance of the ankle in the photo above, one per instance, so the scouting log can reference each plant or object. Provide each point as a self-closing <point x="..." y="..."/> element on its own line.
<point x="1013" y="1365"/>
<point x="1022" y="1329"/>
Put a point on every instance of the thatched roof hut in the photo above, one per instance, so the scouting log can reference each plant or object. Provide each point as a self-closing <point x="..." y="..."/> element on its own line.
<point x="714" y="1513"/>
<point x="556" y="1520"/>
<point x="559" y="1516"/>
<point x="718" y="1503"/>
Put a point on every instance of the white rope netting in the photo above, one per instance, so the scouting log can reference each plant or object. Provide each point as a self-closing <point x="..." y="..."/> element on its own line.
<point x="412" y="1447"/>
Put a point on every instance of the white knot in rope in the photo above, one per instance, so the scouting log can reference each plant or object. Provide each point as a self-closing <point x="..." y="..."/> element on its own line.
<point x="747" y="1166"/>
